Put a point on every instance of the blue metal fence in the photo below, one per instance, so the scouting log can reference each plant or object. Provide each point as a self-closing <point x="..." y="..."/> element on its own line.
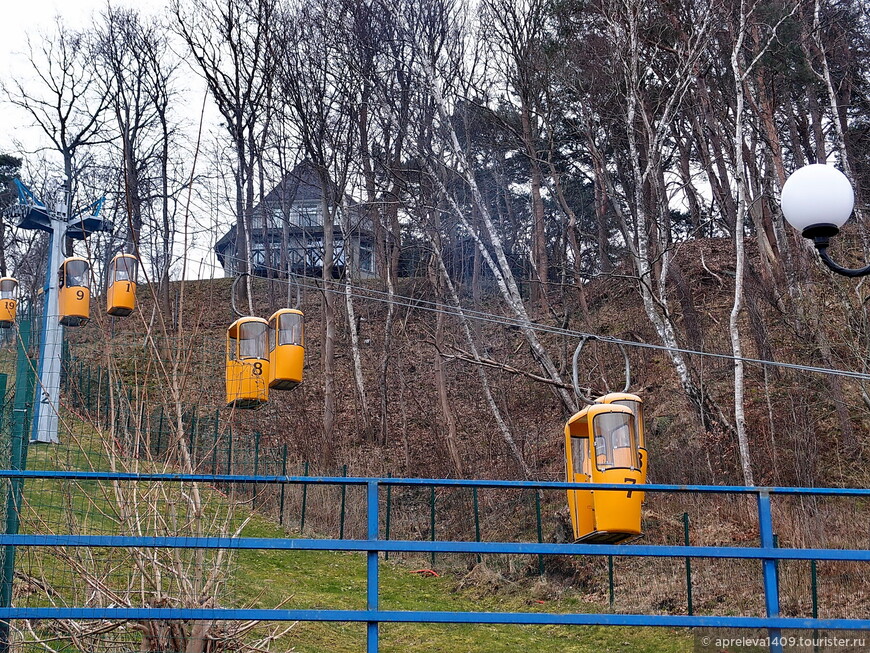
<point x="766" y="552"/>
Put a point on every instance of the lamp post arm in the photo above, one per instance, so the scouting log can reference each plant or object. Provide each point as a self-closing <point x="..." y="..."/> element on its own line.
<point x="846" y="272"/>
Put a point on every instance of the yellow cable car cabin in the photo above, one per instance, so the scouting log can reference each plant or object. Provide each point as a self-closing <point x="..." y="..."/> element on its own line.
<point x="635" y="403"/>
<point x="121" y="295"/>
<point x="247" y="363"/>
<point x="74" y="299"/>
<point x="8" y="301"/>
<point x="286" y="348"/>
<point x="601" y="447"/>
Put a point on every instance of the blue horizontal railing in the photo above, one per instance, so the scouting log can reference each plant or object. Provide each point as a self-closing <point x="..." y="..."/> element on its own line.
<point x="372" y="546"/>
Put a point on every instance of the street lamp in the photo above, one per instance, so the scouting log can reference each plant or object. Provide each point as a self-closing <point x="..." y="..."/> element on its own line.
<point x="817" y="200"/>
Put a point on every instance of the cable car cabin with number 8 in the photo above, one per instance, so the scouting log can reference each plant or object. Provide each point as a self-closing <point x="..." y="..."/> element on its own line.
<point x="635" y="404"/>
<point x="121" y="295"/>
<point x="8" y="301"/>
<point x="601" y="447"/>
<point x="247" y="371"/>
<point x="286" y="349"/>
<point x="74" y="298"/>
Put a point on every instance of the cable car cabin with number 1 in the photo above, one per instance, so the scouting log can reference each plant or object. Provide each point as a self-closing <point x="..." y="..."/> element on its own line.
<point x="286" y="349"/>
<point x="8" y="301"/>
<point x="247" y="372"/>
<point x="601" y="447"/>
<point x="121" y="295"/>
<point x="74" y="298"/>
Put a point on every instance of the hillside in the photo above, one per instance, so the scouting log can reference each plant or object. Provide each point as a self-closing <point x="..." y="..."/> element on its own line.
<point x="789" y="417"/>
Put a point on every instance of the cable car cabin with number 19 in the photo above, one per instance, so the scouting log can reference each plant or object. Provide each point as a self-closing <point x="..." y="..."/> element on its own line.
<point x="8" y="301"/>
<point x="601" y="447"/>
<point x="74" y="298"/>
<point x="247" y="371"/>
<point x="121" y="295"/>
<point x="286" y="349"/>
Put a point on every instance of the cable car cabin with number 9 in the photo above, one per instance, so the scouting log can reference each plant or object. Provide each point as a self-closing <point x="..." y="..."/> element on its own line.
<point x="74" y="298"/>
<point x="635" y="404"/>
<point x="8" y="301"/>
<point x="121" y="296"/>
<point x="247" y="363"/>
<point x="286" y="349"/>
<point x="601" y="447"/>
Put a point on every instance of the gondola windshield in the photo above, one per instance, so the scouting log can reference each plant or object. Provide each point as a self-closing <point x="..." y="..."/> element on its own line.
<point x="637" y="408"/>
<point x="76" y="273"/>
<point x="8" y="288"/>
<point x="615" y="441"/>
<point x="253" y="339"/>
<point x="125" y="268"/>
<point x="290" y="330"/>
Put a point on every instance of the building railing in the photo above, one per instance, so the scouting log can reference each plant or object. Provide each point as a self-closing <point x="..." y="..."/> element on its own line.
<point x="767" y="552"/>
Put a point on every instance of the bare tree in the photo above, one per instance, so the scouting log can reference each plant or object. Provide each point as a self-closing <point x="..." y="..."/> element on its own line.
<point x="231" y="43"/>
<point x="65" y="99"/>
<point x="139" y="86"/>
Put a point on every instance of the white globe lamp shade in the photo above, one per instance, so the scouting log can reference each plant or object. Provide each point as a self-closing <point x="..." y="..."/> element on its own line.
<point x="817" y="195"/>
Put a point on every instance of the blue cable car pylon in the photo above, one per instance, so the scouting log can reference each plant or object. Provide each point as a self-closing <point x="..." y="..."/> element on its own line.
<point x="35" y="214"/>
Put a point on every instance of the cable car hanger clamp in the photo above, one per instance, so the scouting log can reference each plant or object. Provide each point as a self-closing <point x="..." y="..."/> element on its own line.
<point x="576" y="382"/>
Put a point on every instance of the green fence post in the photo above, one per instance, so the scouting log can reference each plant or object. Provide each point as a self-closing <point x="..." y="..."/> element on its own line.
<point x="387" y="522"/>
<point x="688" y="564"/>
<point x="610" y="578"/>
<point x="256" y="470"/>
<point x="87" y="400"/>
<point x="476" y="520"/>
<point x="283" y="485"/>
<point x="432" y="520"/>
<point x="194" y="449"/>
<point x="22" y="404"/>
<point x="343" y="497"/>
<point x="217" y="417"/>
<point x="159" y="434"/>
<point x="3" y="379"/>
<point x="229" y="452"/>
<point x="540" y="531"/>
<point x="304" y="497"/>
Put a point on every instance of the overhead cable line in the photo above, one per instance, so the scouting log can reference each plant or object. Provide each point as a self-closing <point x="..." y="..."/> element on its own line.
<point x="404" y="301"/>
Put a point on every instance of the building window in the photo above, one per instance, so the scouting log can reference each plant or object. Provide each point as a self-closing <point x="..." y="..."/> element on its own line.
<point x="366" y="258"/>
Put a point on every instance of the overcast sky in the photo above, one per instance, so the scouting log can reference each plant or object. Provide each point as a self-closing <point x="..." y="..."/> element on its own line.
<point x="23" y="17"/>
<point x="32" y="17"/>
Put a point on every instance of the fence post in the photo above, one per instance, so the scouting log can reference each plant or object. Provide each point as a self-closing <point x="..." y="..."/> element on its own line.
<point x="283" y="485"/>
<point x="387" y="518"/>
<point x="257" y="437"/>
<point x="22" y="404"/>
<point x="215" y="445"/>
<point x="343" y="497"/>
<point x="159" y="434"/>
<point x="372" y="567"/>
<point x="540" y="530"/>
<point x="476" y="520"/>
<point x="87" y="402"/>
<point x="610" y="579"/>
<point x="194" y="449"/>
<point x="771" y="584"/>
<point x="688" y="564"/>
<point x="304" y="497"/>
<point x="432" y="519"/>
